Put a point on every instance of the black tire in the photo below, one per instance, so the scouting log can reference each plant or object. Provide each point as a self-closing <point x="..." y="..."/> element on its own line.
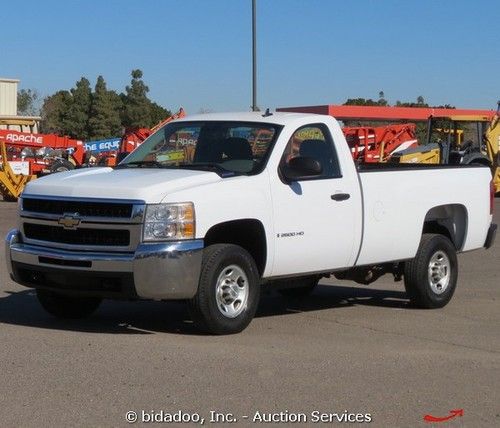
<point x="61" y="165"/>
<point x="221" y="305"/>
<point x="298" y="287"/>
<point x="426" y="285"/>
<point x="67" y="307"/>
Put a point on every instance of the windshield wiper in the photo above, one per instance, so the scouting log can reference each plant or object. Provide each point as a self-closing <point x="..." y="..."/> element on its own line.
<point x="141" y="163"/>
<point x="213" y="167"/>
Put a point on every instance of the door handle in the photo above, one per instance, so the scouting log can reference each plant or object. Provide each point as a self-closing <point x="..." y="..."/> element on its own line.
<point x="340" y="196"/>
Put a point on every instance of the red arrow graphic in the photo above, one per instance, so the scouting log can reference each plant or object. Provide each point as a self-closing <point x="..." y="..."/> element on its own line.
<point x="453" y="414"/>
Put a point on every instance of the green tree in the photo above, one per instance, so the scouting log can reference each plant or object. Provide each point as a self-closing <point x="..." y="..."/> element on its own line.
<point x="137" y="106"/>
<point x="445" y="106"/>
<point x="81" y="113"/>
<point x="54" y="113"/>
<point x="77" y="124"/>
<point x="419" y="103"/>
<point x="368" y="101"/>
<point x="360" y="102"/>
<point x="158" y="113"/>
<point x="104" y="119"/>
<point x="381" y="99"/>
<point x="27" y="102"/>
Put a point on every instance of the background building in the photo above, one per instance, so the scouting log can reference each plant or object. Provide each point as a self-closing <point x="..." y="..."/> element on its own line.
<point x="8" y="109"/>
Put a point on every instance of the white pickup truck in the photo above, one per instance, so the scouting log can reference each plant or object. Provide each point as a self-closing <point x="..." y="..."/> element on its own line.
<point x="212" y="208"/>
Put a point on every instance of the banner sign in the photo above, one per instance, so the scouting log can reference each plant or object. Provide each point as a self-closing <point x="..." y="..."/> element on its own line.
<point x="98" y="146"/>
<point x="20" y="167"/>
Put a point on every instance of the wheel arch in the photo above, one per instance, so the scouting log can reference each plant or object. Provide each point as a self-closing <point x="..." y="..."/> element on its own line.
<point x="449" y="220"/>
<point x="248" y="233"/>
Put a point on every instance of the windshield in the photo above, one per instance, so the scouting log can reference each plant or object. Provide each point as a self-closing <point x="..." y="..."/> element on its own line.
<point x="219" y="146"/>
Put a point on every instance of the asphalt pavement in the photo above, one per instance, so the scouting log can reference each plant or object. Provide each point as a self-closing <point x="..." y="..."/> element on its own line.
<point x="346" y="351"/>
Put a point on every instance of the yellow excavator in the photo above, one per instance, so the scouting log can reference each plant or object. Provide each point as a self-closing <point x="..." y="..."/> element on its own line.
<point x="11" y="184"/>
<point x="459" y="139"/>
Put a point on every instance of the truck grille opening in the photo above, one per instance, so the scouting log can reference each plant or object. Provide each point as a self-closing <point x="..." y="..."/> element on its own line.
<point x="61" y="262"/>
<point x="64" y="281"/>
<point x="84" y="209"/>
<point x="107" y="237"/>
<point x="78" y="282"/>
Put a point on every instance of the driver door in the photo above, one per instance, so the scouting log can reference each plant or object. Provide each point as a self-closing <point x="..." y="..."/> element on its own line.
<point x="313" y="218"/>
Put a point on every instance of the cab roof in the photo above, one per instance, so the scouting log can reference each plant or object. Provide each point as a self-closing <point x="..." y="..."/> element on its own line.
<point x="278" y="118"/>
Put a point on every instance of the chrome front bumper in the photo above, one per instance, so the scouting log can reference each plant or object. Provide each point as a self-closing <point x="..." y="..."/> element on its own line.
<point x="160" y="271"/>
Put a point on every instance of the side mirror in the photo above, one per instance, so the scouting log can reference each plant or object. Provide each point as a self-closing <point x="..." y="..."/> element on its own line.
<point x="301" y="168"/>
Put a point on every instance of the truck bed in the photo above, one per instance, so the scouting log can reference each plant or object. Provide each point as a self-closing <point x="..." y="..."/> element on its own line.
<point x="398" y="199"/>
<point x="388" y="166"/>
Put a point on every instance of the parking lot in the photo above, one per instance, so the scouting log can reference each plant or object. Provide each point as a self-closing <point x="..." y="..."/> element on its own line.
<point x="346" y="349"/>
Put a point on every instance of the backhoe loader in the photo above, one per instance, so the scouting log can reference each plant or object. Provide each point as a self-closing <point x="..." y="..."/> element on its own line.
<point x="459" y="139"/>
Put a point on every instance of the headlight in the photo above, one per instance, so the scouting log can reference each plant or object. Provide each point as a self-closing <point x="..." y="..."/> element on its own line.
<point x="166" y="222"/>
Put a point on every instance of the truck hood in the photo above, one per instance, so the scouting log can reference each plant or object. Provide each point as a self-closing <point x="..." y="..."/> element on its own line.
<point x="148" y="184"/>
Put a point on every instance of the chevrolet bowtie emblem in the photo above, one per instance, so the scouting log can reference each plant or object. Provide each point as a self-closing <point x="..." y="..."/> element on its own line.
<point x="69" y="221"/>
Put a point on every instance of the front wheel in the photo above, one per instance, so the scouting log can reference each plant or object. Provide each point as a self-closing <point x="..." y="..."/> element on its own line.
<point x="228" y="290"/>
<point x="431" y="277"/>
<point x="61" y="165"/>
<point x="67" y="307"/>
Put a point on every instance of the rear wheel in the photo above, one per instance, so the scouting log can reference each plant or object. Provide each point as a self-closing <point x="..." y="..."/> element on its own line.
<point x="68" y="307"/>
<point x="228" y="291"/>
<point x="431" y="277"/>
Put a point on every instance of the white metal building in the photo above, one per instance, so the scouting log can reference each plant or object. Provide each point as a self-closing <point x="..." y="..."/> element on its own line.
<point x="8" y="109"/>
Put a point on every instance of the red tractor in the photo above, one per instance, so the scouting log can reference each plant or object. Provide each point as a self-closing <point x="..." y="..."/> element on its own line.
<point x="377" y="144"/>
<point x="38" y="154"/>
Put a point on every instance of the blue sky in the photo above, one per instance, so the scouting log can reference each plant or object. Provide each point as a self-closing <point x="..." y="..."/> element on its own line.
<point x="197" y="53"/>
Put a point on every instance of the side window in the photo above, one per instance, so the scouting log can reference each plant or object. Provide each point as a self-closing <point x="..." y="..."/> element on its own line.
<point x="314" y="141"/>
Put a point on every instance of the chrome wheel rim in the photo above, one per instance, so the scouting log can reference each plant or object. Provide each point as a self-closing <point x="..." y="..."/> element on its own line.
<point x="439" y="272"/>
<point x="232" y="291"/>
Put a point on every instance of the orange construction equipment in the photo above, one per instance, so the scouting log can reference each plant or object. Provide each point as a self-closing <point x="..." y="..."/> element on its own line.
<point x="45" y="152"/>
<point x="381" y="150"/>
<point x="378" y="113"/>
<point x="38" y="154"/>
<point x="370" y="144"/>
<point x="446" y="130"/>
<point x="377" y="144"/>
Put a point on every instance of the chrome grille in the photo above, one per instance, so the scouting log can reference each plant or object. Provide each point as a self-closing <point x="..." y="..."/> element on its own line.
<point x="114" y="224"/>
<point x="84" y="209"/>
<point x="87" y="236"/>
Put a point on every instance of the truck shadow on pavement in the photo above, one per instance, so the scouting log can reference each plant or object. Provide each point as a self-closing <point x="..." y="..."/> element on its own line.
<point x="147" y="317"/>
<point x="331" y="297"/>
